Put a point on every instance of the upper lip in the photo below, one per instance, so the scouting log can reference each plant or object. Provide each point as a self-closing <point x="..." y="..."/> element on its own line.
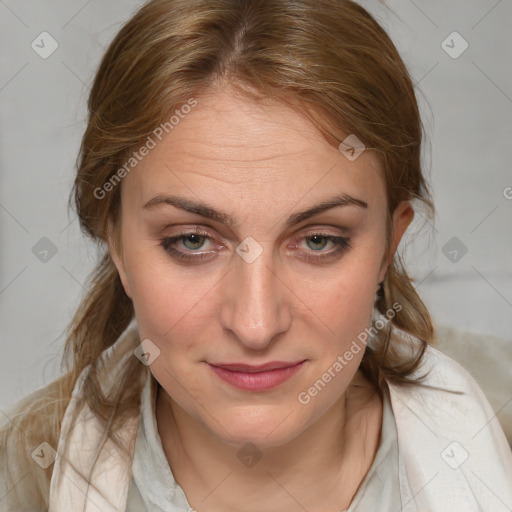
<point x="242" y="367"/>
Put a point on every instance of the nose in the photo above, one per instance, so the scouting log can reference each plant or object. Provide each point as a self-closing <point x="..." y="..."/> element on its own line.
<point x="255" y="309"/>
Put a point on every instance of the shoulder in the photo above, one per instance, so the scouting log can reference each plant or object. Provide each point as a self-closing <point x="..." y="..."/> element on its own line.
<point x="29" y="432"/>
<point x="447" y="379"/>
<point x="437" y="369"/>
<point x="443" y="385"/>
<point x="448" y="402"/>
<point x="31" y="429"/>
<point x="449" y="436"/>
<point x="488" y="359"/>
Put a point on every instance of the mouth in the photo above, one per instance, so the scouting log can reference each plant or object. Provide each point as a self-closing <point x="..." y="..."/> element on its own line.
<point x="249" y="368"/>
<point x="256" y="377"/>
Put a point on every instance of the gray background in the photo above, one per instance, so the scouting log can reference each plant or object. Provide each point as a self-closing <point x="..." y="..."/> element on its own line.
<point x="466" y="105"/>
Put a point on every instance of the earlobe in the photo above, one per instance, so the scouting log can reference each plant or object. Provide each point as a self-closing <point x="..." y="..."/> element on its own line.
<point x="117" y="257"/>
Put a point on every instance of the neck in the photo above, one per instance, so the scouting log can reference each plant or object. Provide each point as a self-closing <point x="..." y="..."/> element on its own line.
<point x="338" y="449"/>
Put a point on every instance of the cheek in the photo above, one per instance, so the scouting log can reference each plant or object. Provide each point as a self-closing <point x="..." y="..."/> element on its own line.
<point x="154" y="296"/>
<point x="345" y="318"/>
<point x="345" y="303"/>
<point x="159" y="308"/>
<point x="166" y="301"/>
<point x="345" y="309"/>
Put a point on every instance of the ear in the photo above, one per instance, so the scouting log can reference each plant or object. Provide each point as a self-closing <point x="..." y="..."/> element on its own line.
<point x="402" y="217"/>
<point x="117" y="256"/>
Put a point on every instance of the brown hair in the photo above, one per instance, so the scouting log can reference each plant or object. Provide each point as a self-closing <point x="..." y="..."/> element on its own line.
<point x="329" y="59"/>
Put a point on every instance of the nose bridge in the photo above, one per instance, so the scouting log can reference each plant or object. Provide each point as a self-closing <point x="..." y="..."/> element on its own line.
<point x="257" y="311"/>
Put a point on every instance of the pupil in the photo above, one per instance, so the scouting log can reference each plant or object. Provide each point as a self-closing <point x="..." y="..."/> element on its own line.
<point x="195" y="239"/>
<point x="316" y="238"/>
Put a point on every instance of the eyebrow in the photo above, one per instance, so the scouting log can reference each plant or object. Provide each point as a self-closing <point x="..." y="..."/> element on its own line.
<point x="209" y="212"/>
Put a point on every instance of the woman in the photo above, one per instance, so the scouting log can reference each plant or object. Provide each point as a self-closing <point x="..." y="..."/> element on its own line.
<point x="250" y="339"/>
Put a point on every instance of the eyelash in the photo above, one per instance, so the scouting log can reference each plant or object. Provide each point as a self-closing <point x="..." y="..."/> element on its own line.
<point x="167" y="243"/>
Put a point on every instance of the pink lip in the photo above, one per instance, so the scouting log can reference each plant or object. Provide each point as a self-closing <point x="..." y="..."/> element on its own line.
<point x="256" y="378"/>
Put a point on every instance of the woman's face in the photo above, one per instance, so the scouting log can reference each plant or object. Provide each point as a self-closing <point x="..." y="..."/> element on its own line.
<point x="271" y="284"/>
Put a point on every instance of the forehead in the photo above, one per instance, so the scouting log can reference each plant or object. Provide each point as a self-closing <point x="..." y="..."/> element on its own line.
<point x="261" y="149"/>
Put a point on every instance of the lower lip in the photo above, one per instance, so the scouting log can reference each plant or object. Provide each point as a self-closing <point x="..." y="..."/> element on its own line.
<point x="257" y="381"/>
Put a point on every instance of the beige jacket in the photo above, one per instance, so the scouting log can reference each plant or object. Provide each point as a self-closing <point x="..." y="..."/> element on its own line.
<point x="453" y="454"/>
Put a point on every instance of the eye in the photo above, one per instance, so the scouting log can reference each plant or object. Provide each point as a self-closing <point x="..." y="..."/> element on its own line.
<point x="192" y="241"/>
<point x="186" y="246"/>
<point x="318" y="241"/>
